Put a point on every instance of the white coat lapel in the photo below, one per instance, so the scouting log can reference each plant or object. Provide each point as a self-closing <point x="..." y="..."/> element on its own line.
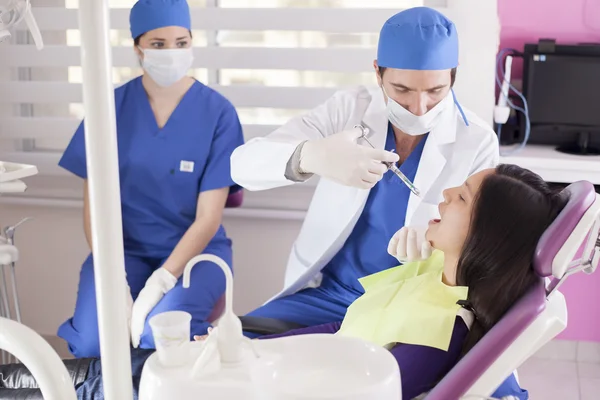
<point x="433" y="161"/>
<point x="375" y="119"/>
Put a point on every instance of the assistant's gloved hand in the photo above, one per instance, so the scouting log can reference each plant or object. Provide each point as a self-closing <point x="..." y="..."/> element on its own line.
<point x="159" y="283"/>
<point x="409" y="244"/>
<point x="341" y="159"/>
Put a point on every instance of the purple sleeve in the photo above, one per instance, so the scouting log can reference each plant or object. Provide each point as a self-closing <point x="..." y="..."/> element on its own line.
<point x="332" y="327"/>
<point x="422" y="367"/>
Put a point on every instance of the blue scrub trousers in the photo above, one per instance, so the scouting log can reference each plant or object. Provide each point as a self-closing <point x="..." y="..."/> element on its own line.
<point x="207" y="285"/>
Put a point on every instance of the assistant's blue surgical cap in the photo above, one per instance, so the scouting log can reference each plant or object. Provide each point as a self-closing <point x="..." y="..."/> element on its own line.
<point x="147" y="15"/>
<point x="418" y="38"/>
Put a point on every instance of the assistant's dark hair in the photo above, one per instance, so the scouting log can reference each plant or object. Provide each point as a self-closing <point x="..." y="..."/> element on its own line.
<point x="512" y="209"/>
<point x="452" y="74"/>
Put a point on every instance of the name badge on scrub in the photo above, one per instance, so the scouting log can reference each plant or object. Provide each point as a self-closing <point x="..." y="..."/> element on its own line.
<point x="186" y="166"/>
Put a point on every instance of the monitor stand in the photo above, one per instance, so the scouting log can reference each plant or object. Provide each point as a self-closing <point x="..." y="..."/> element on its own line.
<point x="581" y="148"/>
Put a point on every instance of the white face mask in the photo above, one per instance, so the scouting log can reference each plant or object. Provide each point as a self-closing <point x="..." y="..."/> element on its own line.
<point x="167" y="66"/>
<point x="412" y="124"/>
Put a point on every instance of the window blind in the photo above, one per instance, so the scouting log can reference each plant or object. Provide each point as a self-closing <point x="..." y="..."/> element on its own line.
<point x="273" y="59"/>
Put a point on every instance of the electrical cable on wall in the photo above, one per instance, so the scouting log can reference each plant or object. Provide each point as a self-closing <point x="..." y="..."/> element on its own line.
<point x="501" y="112"/>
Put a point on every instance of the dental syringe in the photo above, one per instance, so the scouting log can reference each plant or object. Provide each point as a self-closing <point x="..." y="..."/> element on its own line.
<point x="391" y="166"/>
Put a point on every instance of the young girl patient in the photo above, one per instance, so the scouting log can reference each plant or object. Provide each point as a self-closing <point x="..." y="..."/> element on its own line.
<point x="484" y="245"/>
<point x="429" y="313"/>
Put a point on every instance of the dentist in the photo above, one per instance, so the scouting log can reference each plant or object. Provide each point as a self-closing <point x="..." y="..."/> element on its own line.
<point x="175" y="138"/>
<point x="416" y="121"/>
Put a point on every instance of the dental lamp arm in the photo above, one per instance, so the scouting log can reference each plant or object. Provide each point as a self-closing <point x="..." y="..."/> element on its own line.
<point x="33" y="28"/>
<point x="87" y="221"/>
<point x="20" y="11"/>
<point x="37" y="355"/>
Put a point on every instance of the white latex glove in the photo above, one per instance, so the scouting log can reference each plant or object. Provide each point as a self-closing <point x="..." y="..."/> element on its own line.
<point x="341" y="159"/>
<point x="159" y="283"/>
<point x="409" y="244"/>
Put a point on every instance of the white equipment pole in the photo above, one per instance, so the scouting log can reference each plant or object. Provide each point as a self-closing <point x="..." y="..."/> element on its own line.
<point x="105" y="198"/>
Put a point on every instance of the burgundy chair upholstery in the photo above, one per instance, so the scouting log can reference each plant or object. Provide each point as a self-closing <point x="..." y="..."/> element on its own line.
<point x="235" y="199"/>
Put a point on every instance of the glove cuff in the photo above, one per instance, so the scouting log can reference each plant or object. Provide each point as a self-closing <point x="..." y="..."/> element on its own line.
<point x="166" y="280"/>
<point x="306" y="161"/>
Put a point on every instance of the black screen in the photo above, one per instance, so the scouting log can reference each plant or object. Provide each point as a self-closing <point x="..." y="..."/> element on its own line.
<point x="563" y="90"/>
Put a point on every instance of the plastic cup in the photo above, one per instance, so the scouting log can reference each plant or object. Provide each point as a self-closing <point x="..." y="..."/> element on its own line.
<point x="171" y="331"/>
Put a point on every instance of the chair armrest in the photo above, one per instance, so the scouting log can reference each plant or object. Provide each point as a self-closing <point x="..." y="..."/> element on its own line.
<point x="267" y="326"/>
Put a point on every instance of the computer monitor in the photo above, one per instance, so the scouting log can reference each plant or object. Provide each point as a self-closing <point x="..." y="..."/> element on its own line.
<point x="562" y="86"/>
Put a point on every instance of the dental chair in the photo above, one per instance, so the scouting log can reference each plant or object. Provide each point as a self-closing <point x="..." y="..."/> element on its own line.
<point x="534" y="320"/>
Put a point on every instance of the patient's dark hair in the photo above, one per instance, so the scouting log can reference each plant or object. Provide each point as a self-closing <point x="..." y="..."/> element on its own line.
<point x="512" y="209"/>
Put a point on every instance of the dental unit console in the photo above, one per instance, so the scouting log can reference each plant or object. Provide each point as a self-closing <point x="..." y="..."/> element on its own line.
<point x="227" y="365"/>
<point x="15" y="338"/>
<point x="10" y="182"/>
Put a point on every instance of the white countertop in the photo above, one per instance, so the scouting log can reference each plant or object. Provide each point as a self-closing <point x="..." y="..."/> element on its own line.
<point x="555" y="166"/>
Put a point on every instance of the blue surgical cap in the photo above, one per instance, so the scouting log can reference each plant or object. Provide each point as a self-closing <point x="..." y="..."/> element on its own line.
<point x="147" y="15"/>
<point x="418" y="38"/>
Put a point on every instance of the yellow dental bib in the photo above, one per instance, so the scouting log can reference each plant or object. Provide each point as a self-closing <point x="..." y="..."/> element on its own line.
<point x="407" y="304"/>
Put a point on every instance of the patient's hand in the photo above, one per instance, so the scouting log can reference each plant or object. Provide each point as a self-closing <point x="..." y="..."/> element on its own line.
<point x="202" y="337"/>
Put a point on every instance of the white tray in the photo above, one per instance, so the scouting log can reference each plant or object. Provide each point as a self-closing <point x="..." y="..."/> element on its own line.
<point x="14" y="171"/>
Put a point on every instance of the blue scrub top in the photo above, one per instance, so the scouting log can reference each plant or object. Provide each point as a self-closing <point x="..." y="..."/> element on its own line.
<point x="365" y="251"/>
<point x="162" y="171"/>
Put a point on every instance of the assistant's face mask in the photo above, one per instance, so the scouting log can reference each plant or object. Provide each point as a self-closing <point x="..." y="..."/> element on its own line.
<point x="412" y="124"/>
<point x="167" y="66"/>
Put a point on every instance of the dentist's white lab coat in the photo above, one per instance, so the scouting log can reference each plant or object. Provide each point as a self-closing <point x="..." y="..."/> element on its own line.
<point x="453" y="152"/>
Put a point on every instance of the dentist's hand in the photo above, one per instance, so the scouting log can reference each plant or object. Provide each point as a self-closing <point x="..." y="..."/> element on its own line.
<point x="409" y="244"/>
<point x="159" y="283"/>
<point x="341" y="159"/>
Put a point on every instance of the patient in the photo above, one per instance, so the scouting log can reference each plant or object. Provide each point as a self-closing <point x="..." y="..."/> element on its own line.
<point x="488" y="232"/>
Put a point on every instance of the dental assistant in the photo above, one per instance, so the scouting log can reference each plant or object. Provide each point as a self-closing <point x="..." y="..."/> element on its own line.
<point x="175" y="138"/>
<point x="415" y="119"/>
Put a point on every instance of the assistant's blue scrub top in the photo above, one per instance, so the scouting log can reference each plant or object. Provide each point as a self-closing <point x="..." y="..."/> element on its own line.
<point x="365" y="251"/>
<point x="162" y="171"/>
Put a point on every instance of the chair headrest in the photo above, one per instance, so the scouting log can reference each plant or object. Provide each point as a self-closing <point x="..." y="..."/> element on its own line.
<point x="559" y="243"/>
